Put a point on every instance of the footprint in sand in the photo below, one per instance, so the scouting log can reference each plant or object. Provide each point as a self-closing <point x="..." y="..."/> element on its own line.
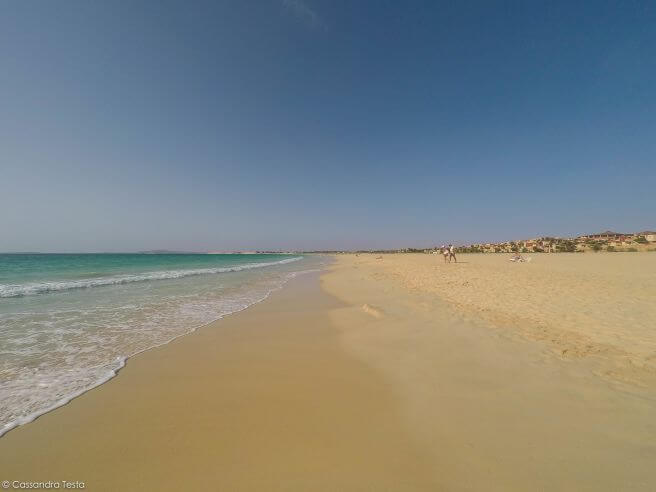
<point x="372" y="311"/>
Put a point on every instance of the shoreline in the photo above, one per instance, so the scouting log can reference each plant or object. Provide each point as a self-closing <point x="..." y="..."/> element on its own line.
<point x="264" y="397"/>
<point x="351" y="378"/>
<point x="124" y="359"/>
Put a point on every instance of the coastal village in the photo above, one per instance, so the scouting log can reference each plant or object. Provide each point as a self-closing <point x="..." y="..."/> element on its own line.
<point x="603" y="241"/>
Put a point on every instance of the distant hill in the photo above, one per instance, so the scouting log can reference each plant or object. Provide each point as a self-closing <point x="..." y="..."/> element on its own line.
<point x="21" y="253"/>
<point x="168" y="252"/>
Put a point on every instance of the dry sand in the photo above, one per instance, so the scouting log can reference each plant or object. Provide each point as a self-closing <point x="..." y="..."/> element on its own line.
<point x="581" y="305"/>
<point x="410" y="375"/>
<point x="500" y="410"/>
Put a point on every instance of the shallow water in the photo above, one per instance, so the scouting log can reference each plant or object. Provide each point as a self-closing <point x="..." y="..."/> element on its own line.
<point x="68" y="322"/>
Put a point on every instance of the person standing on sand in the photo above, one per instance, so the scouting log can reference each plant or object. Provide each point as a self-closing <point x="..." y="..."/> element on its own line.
<point x="445" y="252"/>
<point x="452" y="253"/>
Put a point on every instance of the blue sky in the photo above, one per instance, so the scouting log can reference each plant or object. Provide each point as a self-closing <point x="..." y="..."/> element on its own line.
<point x="323" y="123"/>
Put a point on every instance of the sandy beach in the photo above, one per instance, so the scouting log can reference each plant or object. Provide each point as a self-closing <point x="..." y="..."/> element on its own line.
<point x="266" y="399"/>
<point x="582" y="306"/>
<point x="391" y="373"/>
<point x="496" y="400"/>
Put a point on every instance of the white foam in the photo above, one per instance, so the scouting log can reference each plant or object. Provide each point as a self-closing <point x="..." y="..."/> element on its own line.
<point x="26" y="419"/>
<point x="38" y="390"/>
<point x="45" y="287"/>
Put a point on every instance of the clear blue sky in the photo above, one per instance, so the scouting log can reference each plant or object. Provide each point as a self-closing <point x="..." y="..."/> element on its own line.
<point x="323" y="123"/>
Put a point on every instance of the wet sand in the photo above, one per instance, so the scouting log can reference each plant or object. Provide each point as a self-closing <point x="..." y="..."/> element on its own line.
<point x="262" y="400"/>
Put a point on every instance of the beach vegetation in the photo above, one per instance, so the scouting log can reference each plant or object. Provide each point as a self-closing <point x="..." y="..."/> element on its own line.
<point x="548" y="244"/>
<point x="611" y="249"/>
<point x="566" y="246"/>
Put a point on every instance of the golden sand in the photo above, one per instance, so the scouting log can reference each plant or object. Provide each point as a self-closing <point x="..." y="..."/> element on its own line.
<point x="262" y="400"/>
<point x="581" y="305"/>
<point x="501" y="411"/>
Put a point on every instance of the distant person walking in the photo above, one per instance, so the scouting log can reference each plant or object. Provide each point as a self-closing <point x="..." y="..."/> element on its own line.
<point x="452" y="253"/>
<point x="445" y="253"/>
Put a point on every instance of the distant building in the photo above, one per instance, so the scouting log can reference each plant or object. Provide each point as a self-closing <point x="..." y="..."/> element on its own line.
<point x="607" y="236"/>
<point x="548" y="244"/>
<point x="649" y="236"/>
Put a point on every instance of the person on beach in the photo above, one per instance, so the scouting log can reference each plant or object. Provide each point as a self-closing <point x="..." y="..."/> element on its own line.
<point x="445" y="253"/>
<point x="452" y="253"/>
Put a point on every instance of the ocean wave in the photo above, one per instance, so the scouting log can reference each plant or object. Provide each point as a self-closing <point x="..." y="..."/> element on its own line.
<point x="48" y="287"/>
<point x="33" y="393"/>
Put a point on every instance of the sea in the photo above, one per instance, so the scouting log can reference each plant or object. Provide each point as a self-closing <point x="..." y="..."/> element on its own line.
<point x="69" y="322"/>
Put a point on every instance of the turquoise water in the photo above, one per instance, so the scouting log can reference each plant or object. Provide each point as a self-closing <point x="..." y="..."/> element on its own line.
<point x="68" y="322"/>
